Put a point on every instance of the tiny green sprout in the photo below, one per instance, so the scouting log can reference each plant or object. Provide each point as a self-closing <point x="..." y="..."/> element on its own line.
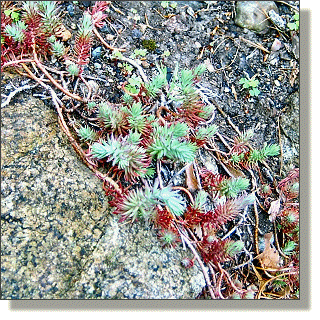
<point x="128" y="67"/>
<point x="294" y="187"/>
<point x="2" y="39"/>
<point x="86" y="134"/>
<point x="200" y="200"/>
<point x="127" y="98"/>
<point x="199" y="70"/>
<point x="250" y="83"/>
<point x="117" y="54"/>
<point x="206" y="132"/>
<point x="73" y="69"/>
<point x="294" y="25"/>
<point x="140" y="52"/>
<point x="164" y="4"/>
<point x="168" y="238"/>
<point x="13" y="14"/>
<point x="166" y="53"/>
<point x="135" y="81"/>
<point x="91" y="105"/>
<point x="231" y="188"/>
<point x="289" y="247"/>
<point x="236" y="158"/>
<point x="57" y="48"/>
<point x="234" y="248"/>
<point x="133" y="10"/>
<point x="52" y="39"/>
<point x="173" y="5"/>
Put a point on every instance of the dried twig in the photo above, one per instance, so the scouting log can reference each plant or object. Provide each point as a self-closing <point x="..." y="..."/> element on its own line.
<point x="16" y="91"/>
<point x="204" y="271"/>
<point x="96" y="32"/>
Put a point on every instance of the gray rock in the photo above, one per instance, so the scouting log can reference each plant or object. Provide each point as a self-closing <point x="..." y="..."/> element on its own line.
<point x="130" y="263"/>
<point x="277" y="20"/>
<point x="96" y="53"/>
<point x="253" y="14"/>
<point x="59" y="239"/>
<point x="289" y="122"/>
<point x="70" y="9"/>
<point x="295" y="46"/>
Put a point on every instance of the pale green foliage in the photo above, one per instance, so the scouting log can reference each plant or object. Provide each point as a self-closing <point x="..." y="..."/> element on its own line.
<point x="234" y="247"/>
<point x="16" y="31"/>
<point x="167" y="144"/>
<point x="270" y="150"/>
<point x="87" y="134"/>
<point x="182" y="89"/>
<point x="154" y="86"/>
<point x="142" y="203"/>
<point x="170" y="198"/>
<point x="206" y="132"/>
<point x="289" y="247"/>
<point x="236" y="158"/>
<point x="267" y="151"/>
<point x="127" y="98"/>
<point x="111" y="117"/>
<point x="73" y="69"/>
<point x="207" y="111"/>
<point x="294" y="25"/>
<point x="134" y="137"/>
<point x="57" y="48"/>
<point x="136" y="119"/>
<point x="138" y="204"/>
<point x="134" y="84"/>
<point x="200" y="200"/>
<point x="49" y="13"/>
<point x="85" y="29"/>
<point x="231" y="188"/>
<point x="199" y="70"/>
<point x="91" y="105"/>
<point x="246" y="135"/>
<point x="129" y="157"/>
<point x="250" y="83"/>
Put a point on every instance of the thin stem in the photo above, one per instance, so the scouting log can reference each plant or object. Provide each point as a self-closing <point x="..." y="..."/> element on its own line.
<point x="205" y="274"/>
<point x="96" y="32"/>
<point x="53" y="81"/>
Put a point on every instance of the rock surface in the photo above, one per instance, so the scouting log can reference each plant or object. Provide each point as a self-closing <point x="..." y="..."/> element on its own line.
<point x="58" y="238"/>
<point x="253" y="15"/>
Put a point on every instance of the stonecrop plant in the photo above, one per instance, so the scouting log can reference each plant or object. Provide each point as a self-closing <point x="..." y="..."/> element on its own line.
<point x="157" y="132"/>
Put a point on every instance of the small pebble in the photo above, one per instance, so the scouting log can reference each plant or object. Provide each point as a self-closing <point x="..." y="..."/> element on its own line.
<point x="73" y="26"/>
<point x="96" y="53"/>
<point x="277" y="20"/>
<point x="70" y="9"/>
<point x="97" y="65"/>
<point x="145" y="64"/>
<point x="109" y="37"/>
<point x="137" y="34"/>
<point x="197" y="44"/>
<point x="105" y="28"/>
<point x="190" y="11"/>
<point x="86" y="3"/>
<point x="276" y="45"/>
<point x="277" y="83"/>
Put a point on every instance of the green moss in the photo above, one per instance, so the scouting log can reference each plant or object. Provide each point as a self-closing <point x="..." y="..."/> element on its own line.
<point x="149" y="44"/>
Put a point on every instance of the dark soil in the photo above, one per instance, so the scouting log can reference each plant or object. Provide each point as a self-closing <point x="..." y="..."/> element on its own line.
<point x="198" y="32"/>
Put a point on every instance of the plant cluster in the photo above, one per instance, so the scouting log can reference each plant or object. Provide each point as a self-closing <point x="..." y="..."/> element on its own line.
<point x="295" y="24"/>
<point x="250" y="83"/>
<point x="154" y="133"/>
